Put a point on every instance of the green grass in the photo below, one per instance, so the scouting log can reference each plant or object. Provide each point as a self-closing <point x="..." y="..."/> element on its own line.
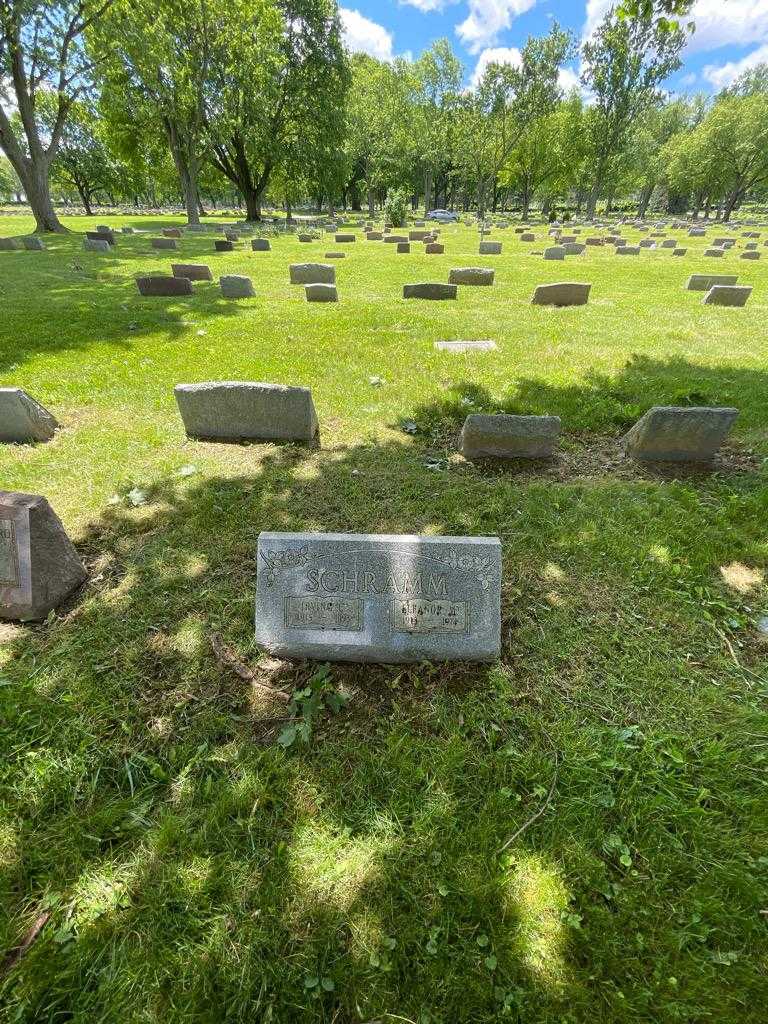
<point x="197" y="872"/>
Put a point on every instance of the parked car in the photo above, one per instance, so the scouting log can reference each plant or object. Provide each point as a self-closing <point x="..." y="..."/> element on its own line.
<point x="443" y="216"/>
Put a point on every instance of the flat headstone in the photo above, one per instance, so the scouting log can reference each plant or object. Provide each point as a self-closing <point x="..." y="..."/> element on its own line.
<point x="343" y="237"/>
<point x="96" y="245"/>
<point x="321" y="293"/>
<point x="374" y="236"/>
<point x="192" y="271"/>
<point x="164" y="243"/>
<point x="312" y="273"/>
<point x="668" y="433"/>
<point x="564" y="293"/>
<point x="490" y="248"/>
<point x="714" y="252"/>
<point x="222" y="245"/>
<point x="157" y="284"/>
<point x="39" y="566"/>
<point x="697" y="232"/>
<point x="394" y="239"/>
<point x="627" y="250"/>
<point x="236" y="286"/>
<point x="378" y="598"/>
<point x="404" y="247"/>
<point x="260" y="245"/>
<point x="509" y="437"/>
<point x="34" y="243"/>
<point x="727" y="295"/>
<point x="669" y="243"/>
<point x="750" y="254"/>
<point x="430" y="291"/>
<point x="471" y="276"/>
<point x="466" y="346"/>
<point x="434" y="248"/>
<point x="679" y="252"/>
<point x="22" y="419"/>
<point x="9" y="244"/>
<point x="246" y="411"/>
<point x="703" y="282"/>
<point x="594" y="241"/>
<point x="647" y="243"/>
<point x="335" y="256"/>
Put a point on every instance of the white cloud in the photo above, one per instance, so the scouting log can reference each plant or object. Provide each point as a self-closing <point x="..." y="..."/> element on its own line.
<point x="495" y="55"/>
<point x="486" y="19"/>
<point x="361" y="35"/>
<point x="596" y="11"/>
<point x="425" y="6"/>
<point x="568" y="79"/>
<point x="723" y="75"/>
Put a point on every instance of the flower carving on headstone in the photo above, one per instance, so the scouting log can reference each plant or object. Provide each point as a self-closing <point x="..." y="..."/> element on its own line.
<point x="280" y="561"/>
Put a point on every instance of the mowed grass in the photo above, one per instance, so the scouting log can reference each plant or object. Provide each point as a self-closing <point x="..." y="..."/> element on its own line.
<point x="194" y="871"/>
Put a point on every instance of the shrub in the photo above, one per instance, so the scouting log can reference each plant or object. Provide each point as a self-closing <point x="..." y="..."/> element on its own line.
<point x="396" y="207"/>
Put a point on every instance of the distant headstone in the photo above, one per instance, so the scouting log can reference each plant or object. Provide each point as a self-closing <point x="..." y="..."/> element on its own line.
<point x="8" y="244"/>
<point x="417" y="236"/>
<point x="260" y="245"/>
<point x="465" y="346"/>
<point x="102" y="235"/>
<point x="566" y="293"/>
<point x="335" y="256"/>
<point x="490" y="248"/>
<point x="714" y="252"/>
<point x="703" y="282"/>
<point x="627" y="250"/>
<point x="246" y="411"/>
<point x="321" y="293"/>
<point x="96" y="245"/>
<point x="39" y="566"/>
<point x="341" y="237"/>
<point x="171" y="233"/>
<point x="430" y="291"/>
<point x="472" y="276"/>
<point x="222" y="245"/>
<point x="527" y="236"/>
<point x="192" y="271"/>
<point x="34" y="243"/>
<point x="394" y="239"/>
<point x="727" y="295"/>
<point x="509" y="437"/>
<point x="679" y="252"/>
<point x="236" y="286"/>
<point x="378" y="598"/>
<point x="679" y="434"/>
<point x="434" y="248"/>
<point x="22" y="419"/>
<point x="158" y="284"/>
<point x="164" y="243"/>
<point x="404" y="247"/>
<point x="554" y="252"/>
<point x="594" y="241"/>
<point x="374" y="236"/>
<point x="697" y="233"/>
<point x="312" y="273"/>
<point x="669" y="243"/>
<point x="573" y="248"/>
<point x="647" y="243"/>
<point x="750" y="254"/>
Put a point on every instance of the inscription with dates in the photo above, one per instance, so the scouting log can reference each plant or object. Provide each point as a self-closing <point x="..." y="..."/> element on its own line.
<point x="9" y="561"/>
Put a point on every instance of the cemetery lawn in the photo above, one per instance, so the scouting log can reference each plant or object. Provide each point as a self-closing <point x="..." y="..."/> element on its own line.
<point x="185" y="866"/>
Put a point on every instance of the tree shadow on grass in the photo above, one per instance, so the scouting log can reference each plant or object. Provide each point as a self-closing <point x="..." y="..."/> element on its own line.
<point x="198" y="872"/>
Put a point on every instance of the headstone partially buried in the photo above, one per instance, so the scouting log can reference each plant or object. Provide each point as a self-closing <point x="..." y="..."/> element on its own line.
<point x="703" y="282"/>
<point x="564" y="293"/>
<point x="158" y="284"/>
<point x="669" y="433"/>
<point x="247" y="411"/>
<point x="727" y="295"/>
<point x="427" y="290"/>
<point x="471" y="276"/>
<point x="378" y="598"/>
<point x="39" y="566"/>
<point x="312" y="273"/>
<point x="509" y="437"/>
<point x="466" y="346"/>
<point x="22" y="419"/>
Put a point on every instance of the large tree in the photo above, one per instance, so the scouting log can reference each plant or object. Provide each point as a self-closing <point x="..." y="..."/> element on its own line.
<point x="437" y="76"/>
<point x="42" y="50"/>
<point x="624" y="64"/>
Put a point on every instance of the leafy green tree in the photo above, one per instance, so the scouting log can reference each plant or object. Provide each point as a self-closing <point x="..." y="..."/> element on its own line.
<point x="625" y="62"/>
<point x="736" y="134"/>
<point x="83" y="161"/>
<point x="437" y="76"/>
<point x="42" y="50"/>
<point x="10" y="186"/>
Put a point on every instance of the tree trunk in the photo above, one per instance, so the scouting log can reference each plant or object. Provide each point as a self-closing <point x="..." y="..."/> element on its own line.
<point x="371" y="203"/>
<point x="592" y="203"/>
<point x="38" y="190"/>
<point x="288" y="212"/>
<point x="84" y="198"/>
<point x="427" y="190"/>
<point x="645" y="198"/>
<point x="730" y="204"/>
<point x="526" y="204"/>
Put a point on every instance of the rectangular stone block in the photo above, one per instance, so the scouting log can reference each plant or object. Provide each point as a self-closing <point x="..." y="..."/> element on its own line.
<point x="96" y="245"/>
<point x="430" y="291"/>
<point x="669" y="433"/>
<point x="727" y="295"/>
<point x="404" y="247"/>
<point x="679" y="252"/>
<point x="22" y="419"/>
<point x="490" y="248"/>
<point x="102" y="235"/>
<point x="321" y="293"/>
<point x="393" y="239"/>
<point x="312" y="273"/>
<point x="9" y="244"/>
<point x="247" y="411"/>
<point x="434" y="249"/>
<point x="750" y="255"/>
<point x="554" y="252"/>
<point x="171" y="233"/>
<point x="417" y="236"/>
<point x="718" y="253"/>
<point x="260" y="245"/>
<point x="192" y="271"/>
<point x="34" y="244"/>
<point x="509" y="437"/>
<point x="154" y="285"/>
<point x="39" y="566"/>
<point x="627" y="250"/>
<point x="236" y="286"/>
<point x="473" y="276"/>
<point x="374" y="236"/>
<point x="164" y="243"/>
<point x="564" y="293"/>
<point x="222" y="245"/>
<point x="703" y="282"/>
<point x="343" y="237"/>
<point x="379" y="598"/>
<point x="466" y="346"/>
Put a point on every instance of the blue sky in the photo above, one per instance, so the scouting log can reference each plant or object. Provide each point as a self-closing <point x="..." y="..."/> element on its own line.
<point x="731" y="35"/>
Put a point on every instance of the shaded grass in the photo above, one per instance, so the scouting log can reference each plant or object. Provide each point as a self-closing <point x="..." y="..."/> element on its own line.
<point x="198" y="872"/>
